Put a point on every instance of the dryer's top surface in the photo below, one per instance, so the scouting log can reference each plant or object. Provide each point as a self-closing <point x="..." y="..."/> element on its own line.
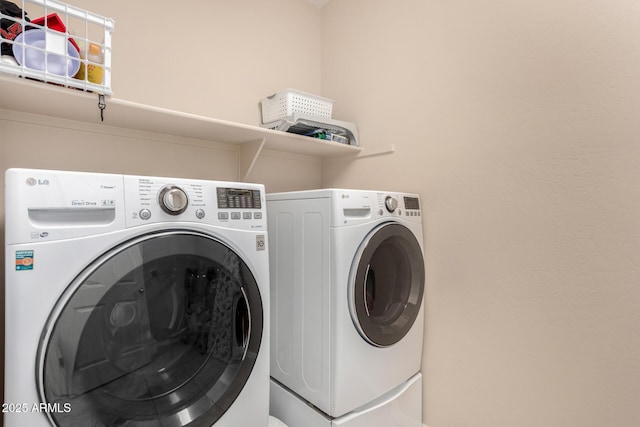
<point x="49" y="205"/>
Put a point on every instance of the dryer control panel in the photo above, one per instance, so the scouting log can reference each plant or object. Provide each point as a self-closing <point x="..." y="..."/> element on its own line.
<point x="399" y="204"/>
<point x="360" y="206"/>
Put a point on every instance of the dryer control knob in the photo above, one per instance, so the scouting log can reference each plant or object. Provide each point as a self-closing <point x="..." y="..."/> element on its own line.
<point x="391" y="203"/>
<point x="173" y="200"/>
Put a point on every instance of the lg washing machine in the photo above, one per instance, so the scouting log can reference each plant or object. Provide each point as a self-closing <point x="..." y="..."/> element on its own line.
<point x="135" y="301"/>
<point x="347" y="283"/>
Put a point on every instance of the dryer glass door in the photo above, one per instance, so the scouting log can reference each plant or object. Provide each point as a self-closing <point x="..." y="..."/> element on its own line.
<point x="164" y="330"/>
<point x="387" y="284"/>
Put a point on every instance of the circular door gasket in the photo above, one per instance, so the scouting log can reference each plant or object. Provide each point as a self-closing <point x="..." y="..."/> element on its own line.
<point x="386" y="284"/>
<point x="164" y="329"/>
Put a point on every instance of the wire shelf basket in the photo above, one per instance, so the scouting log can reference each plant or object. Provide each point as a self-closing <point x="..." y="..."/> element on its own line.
<point x="57" y="43"/>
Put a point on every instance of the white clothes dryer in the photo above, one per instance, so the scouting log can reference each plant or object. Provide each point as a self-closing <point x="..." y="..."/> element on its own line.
<point x="347" y="284"/>
<point x="135" y="301"/>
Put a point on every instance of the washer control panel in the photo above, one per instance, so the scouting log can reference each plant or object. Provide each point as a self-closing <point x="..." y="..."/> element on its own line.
<point x="391" y="203"/>
<point x="240" y="198"/>
<point x="230" y="204"/>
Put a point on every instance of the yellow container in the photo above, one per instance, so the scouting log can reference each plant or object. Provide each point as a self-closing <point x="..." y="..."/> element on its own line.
<point x="95" y="73"/>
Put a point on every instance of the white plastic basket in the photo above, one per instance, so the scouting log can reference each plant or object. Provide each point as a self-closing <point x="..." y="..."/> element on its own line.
<point x="59" y="53"/>
<point x="285" y="103"/>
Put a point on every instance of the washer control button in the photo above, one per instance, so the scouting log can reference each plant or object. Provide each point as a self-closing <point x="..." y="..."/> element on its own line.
<point x="246" y="215"/>
<point x="391" y="203"/>
<point x="173" y="199"/>
<point x="235" y="215"/>
<point x="200" y="213"/>
<point x="144" y="214"/>
<point x="223" y="216"/>
<point x="257" y="215"/>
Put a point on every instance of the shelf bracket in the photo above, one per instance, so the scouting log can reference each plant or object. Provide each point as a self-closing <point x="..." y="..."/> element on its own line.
<point x="380" y="152"/>
<point x="247" y="156"/>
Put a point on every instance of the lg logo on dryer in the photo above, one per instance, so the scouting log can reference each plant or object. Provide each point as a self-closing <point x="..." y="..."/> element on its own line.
<point x="32" y="182"/>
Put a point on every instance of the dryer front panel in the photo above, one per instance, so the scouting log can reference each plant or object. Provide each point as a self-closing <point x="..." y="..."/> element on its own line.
<point x="163" y="330"/>
<point x="386" y="284"/>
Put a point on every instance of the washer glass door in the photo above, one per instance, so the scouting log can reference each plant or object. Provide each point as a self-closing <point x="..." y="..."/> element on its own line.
<point x="163" y="330"/>
<point x="387" y="284"/>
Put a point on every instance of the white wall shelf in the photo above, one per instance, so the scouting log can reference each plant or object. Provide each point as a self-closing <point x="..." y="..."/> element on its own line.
<point x="18" y="94"/>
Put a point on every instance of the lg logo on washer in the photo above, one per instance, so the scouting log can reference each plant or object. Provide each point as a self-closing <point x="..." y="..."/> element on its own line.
<point x="32" y="182"/>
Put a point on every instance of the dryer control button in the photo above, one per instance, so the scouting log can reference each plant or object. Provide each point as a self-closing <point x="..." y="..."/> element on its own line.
<point x="144" y="214"/>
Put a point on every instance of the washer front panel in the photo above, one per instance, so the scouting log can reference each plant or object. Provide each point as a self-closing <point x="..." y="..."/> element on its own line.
<point x="163" y="330"/>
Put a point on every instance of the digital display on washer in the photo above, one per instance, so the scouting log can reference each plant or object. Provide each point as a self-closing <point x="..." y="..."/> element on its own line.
<point x="238" y="198"/>
<point x="411" y="203"/>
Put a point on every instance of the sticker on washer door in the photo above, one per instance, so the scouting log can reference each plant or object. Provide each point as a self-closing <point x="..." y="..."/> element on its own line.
<point x="24" y="260"/>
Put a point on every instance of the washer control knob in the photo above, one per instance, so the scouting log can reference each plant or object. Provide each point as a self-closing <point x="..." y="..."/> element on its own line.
<point x="173" y="200"/>
<point x="391" y="203"/>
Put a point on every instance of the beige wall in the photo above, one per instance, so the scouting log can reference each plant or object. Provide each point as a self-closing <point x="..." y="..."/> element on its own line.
<point x="215" y="58"/>
<point x="516" y="122"/>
